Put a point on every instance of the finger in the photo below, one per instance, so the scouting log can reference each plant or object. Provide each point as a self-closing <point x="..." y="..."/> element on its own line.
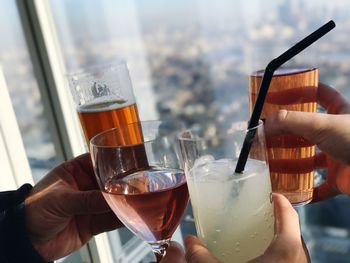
<point x="174" y="254"/>
<point x="320" y="160"/>
<point x="196" y="252"/>
<point x="81" y="169"/>
<point x="84" y="202"/>
<point x="292" y="166"/>
<point x="324" y="191"/>
<point x="305" y="124"/>
<point x="287" y="219"/>
<point x="327" y="131"/>
<point x="104" y="222"/>
<point x="287" y="244"/>
<point x="287" y="141"/>
<point x="304" y="94"/>
<point x="331" y="99"/>
<point x="301" y="165"/>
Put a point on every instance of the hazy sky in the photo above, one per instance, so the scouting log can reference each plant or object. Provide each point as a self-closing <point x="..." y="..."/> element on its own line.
<point x="121" y="13"/>
<point x="181" y="11"/>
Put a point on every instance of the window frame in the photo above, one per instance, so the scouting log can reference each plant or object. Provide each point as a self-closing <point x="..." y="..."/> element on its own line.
<point x="48" y="69"/>
<point x="13" y="158"/>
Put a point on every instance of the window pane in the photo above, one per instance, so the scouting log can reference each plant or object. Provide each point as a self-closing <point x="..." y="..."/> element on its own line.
<point x="192" y="58"/>
<point x="25" y="95"/>
<point x="101" y="43"/>
<point x="24" y="92"/>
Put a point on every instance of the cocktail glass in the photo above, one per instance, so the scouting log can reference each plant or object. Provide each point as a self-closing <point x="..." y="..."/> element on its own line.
<point x="143" y="183"/>
<point x="233" y="212"/>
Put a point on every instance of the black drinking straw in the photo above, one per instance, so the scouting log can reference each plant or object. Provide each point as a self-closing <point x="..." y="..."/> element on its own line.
<point x="270" y="69"/>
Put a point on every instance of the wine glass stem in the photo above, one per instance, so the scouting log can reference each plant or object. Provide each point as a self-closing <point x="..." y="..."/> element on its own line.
<point x="159" y="249"/>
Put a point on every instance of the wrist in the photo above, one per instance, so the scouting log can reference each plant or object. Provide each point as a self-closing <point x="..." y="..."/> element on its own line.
<point x="15" y="244"/>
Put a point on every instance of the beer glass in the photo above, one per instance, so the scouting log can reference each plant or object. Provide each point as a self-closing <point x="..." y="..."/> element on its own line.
<point x="233" y="211"/>
<point x="104" y="98"/>
<point x="291" y="158"/>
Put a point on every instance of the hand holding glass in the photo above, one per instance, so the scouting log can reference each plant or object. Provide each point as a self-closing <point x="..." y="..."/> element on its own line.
<point x="291" y="158"/>
<point x="233" y="212"/>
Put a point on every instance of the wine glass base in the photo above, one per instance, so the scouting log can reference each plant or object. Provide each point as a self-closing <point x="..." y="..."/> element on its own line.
<point x="159" y="248"/>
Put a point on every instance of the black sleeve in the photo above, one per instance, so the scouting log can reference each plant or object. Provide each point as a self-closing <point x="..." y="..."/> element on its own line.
<point x="15" y="245"/>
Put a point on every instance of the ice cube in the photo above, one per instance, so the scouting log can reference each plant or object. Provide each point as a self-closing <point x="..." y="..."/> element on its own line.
<point x="203" y="160"/>
<point x="200" y="170"/>
<point x="207" y="168"/>
<point x="227" y="166"/>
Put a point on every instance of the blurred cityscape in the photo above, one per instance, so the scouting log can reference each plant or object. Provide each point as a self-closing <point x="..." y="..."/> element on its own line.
<point x="193" y="61"/>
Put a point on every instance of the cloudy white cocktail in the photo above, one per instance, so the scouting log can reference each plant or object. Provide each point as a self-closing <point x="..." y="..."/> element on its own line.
<point x="233" y="212"/>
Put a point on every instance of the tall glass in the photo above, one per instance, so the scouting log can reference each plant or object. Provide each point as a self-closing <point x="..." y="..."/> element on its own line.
<point x="291" y="158"/>
<point x="233" y="212"/>
<point x="143" y="183"/>
<point x="104" y="98"/>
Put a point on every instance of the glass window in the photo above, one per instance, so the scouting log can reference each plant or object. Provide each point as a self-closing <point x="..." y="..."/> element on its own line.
<point x="25" y="96"/>
<point x="190" y="59"/>
<point x="98" y="44"/>
<point x="24" y="92"/>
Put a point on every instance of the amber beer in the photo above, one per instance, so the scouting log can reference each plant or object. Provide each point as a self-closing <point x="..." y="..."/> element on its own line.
<point x="104" y="99"/>
<point x="101" y="117"/>
<point x="291" y="158"/>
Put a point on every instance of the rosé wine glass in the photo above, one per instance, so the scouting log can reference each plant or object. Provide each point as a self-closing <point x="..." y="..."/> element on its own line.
<point x="143" y="182"/>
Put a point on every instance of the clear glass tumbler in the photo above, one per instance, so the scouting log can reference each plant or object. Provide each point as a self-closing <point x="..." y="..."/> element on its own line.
<point x="233" y="212"/>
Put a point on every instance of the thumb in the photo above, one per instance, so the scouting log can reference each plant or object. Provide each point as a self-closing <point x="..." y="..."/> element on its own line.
<point x="288" y="242"/>
<point x="327" y="131"/>
<point x="324" y="191"/>
<point x="287" y="219"/>
<point x="85" y="202"/>
<point x="196" y="252"/>
<point x="287" y="246"/>
<point x="297" y="123"/>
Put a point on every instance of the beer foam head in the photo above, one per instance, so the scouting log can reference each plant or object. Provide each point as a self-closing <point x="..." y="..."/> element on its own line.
<point x="108" y="84"/>
<point x="103" y="104"/>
